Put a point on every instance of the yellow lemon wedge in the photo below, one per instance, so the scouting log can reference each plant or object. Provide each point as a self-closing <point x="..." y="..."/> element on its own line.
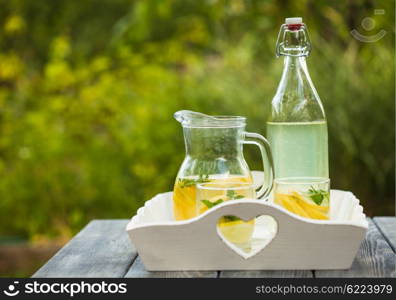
<point x="296" y="203"/>
<point x="314" y="214"/>
<point x="184" y="205"/>
<point x="314" y="211"/>
<point x="305" y="204"/>
<point x="237" y="231"/>
<point x="290" y="203"/>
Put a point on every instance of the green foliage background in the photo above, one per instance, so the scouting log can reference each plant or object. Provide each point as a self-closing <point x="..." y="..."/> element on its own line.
<point x="88" y="89"/>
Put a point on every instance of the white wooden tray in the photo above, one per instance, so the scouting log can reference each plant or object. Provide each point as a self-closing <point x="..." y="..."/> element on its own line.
<point x="282" y="240"/>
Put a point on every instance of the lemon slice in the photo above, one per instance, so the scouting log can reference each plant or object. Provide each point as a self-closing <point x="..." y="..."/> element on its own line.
<point x="305" y="204"/>
<point x="184" y="202"/>
<point x="290" y="203"/>
<point x="238" y="232"/>
<point x="298" y="205"/>
<point x="315" y="214"/>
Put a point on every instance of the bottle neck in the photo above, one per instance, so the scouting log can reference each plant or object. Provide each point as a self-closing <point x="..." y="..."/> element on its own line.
<point x="296" y="99"/>
<point x="295" y="74"/>
<point x="294" y="67"/>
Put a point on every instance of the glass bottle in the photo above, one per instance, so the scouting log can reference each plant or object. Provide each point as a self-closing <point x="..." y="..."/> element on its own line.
<point x="297" y="127"/>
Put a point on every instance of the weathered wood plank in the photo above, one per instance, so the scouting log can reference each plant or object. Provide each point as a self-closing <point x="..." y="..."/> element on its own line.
<point x="267" y="274"/>
<point x="375" y="258"/>
<point x="101" y="249"/>
<point x="387" y="226"/>
<point x="137" y="270"/>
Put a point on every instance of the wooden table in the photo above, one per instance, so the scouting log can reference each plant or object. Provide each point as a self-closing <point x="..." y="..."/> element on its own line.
<point x="103" y="249"/>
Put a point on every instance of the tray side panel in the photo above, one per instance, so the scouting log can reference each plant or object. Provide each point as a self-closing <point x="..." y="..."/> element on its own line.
<point x="298" y="244"/>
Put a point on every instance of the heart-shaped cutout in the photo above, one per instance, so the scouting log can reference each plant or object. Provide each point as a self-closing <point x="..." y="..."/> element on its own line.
<point x="247" y="238"/>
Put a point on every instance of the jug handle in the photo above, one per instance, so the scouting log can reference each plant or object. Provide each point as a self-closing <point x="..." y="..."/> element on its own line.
<point x="260" y="141"/>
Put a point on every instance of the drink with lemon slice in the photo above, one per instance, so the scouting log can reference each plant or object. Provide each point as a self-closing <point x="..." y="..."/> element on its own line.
<point x="185" y="204"/>
<point x="232" y="228"/>
<point x="306" y="197"/>
<point x="193" y="196"/>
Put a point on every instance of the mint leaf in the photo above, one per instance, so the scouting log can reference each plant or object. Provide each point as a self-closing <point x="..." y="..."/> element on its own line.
<point x="231" y="194"/>
<point x="230" y="218"/>
<point x="209" y="204"/>
<point x="217" y="202"/>
<point x="203" y="178"/>
<point x="187" y="182"/>
<point x="317" y="196"/>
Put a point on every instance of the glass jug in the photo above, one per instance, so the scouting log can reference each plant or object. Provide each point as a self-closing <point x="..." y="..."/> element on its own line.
<point x="214" y="153"/>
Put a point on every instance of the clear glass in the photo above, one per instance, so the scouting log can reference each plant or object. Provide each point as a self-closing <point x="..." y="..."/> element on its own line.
<point x="297" y="127"/>
<point x="232" y="228"/>
<point x="308" y="197"/>
<point x="214" y="153"/>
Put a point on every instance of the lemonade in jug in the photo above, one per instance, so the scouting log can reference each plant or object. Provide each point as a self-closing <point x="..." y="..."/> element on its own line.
<point x="214" y="156"/>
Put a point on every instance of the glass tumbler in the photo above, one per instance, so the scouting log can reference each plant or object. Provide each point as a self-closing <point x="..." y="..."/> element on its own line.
<point x="308" y="197"/>
<point x="232" y="228"/>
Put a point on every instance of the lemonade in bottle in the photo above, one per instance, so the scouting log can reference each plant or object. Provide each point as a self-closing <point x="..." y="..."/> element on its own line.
<point x="297" y="130"/>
